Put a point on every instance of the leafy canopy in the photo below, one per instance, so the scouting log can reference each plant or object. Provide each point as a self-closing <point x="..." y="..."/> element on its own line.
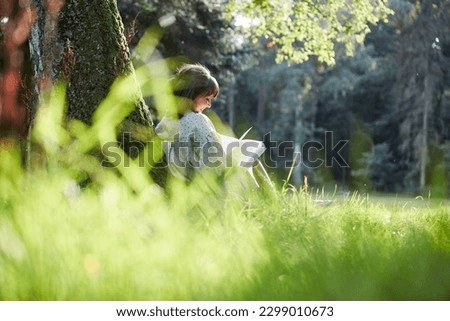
<point x="300" y="29"/>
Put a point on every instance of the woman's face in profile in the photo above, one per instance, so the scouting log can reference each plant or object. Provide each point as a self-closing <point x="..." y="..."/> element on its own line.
<point x="202" y="102"/>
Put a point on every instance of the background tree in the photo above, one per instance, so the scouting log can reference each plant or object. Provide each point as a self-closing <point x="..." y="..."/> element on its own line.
<point x="422" y="78"/>
<point x="190" y="30"/>
<point x="82" y="43"/>
<point x="14" y="30"/>
<point x="301" y="29"/>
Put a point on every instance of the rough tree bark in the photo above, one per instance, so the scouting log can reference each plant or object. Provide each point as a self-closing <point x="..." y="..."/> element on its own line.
<point x="82" y="42"/>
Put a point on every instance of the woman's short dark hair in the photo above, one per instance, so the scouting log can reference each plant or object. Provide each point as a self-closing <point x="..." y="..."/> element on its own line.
<point x="192" y="80"/>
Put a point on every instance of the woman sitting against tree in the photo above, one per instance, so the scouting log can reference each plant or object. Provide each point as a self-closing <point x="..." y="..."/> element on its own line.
<point x="191" y="142"/>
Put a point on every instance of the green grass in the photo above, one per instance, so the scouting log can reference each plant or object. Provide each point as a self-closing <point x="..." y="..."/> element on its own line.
<point x="121" y="237"/>
<point x="107" y="241"/>
<point x="357" y="250"/>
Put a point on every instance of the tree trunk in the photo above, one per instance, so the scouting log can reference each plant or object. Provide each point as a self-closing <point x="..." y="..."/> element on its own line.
<point x="261" y="102"/>
<point x="262" y="93"/>
<point x="230" y="103"/>
<point x="298" y="142"/>
<point x="17" y="20"/>
<point x="427" y="106"/>
<point x="82" y="42"/>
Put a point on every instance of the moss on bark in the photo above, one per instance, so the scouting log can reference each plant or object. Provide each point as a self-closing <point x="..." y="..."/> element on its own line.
<point x="84" y="44"/>
<point x="95" y="54"/>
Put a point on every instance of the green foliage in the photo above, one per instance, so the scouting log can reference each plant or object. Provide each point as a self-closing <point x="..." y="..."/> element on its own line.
<point x="378" y="168"/>
<point x="112" y="241"/>
<point x="301" y="29"/>
<point x="196" y="30"/>
<point x="75" y="230"/>
<point x="422" y="79"/>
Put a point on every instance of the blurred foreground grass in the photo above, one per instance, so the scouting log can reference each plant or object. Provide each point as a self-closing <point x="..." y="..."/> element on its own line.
<point x="108" y="242"/>
<point x="121" y="237"/>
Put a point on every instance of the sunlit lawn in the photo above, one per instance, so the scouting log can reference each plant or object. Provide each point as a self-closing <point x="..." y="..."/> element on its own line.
<point x="360" y="248"/>
<point x="407" y="201"/>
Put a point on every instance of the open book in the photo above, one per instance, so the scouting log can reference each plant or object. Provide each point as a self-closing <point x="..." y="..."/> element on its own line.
<point x="244" y="152"/>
